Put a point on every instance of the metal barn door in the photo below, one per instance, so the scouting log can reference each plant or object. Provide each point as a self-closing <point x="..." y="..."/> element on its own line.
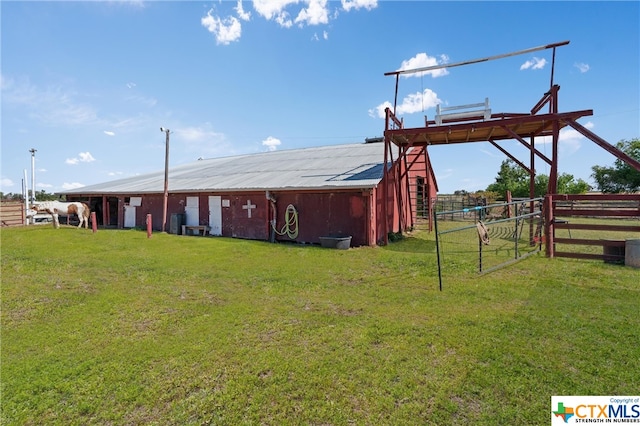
<point x="129" y="216"/>
<point x="215" y="215"/>
<point x="192" y="210"/>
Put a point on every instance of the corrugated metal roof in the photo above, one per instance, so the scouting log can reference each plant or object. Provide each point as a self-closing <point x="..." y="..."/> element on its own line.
<point x="336" y="166"/>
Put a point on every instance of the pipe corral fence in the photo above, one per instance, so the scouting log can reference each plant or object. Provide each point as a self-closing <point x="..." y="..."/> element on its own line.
<point x="604" y="227"/>
<point x="485" y="238"/>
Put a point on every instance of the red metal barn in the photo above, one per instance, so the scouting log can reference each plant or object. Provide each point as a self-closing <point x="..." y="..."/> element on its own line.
<point x="291" y="195"/>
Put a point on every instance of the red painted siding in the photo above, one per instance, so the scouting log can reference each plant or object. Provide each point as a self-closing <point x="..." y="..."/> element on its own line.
<point x="357" y="212"/>
<point x="246" y="216"/>
<point x="326" y="214"/>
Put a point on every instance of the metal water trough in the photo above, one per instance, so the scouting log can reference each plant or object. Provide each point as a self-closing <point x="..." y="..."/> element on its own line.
<point x="341" y="243"/>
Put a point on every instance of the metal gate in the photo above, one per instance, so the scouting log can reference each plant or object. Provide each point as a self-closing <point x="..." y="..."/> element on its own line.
<point x="485" y="238"/>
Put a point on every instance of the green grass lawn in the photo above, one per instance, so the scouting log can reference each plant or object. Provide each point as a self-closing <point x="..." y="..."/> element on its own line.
<point x="115" y="328"/>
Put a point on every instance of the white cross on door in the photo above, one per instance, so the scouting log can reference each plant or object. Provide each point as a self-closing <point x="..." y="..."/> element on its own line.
<point x="248" y="207"/>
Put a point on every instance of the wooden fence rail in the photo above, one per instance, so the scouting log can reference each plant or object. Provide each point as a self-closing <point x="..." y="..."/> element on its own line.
<point x="12" y="213"/>
<point x="621" y="211"/>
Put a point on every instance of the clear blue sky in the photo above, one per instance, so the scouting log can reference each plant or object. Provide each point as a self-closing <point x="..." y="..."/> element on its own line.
<point x="89" y="84"/>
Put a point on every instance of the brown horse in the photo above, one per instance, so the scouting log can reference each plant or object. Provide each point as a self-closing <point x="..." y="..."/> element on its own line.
<point x="54" y="208"/>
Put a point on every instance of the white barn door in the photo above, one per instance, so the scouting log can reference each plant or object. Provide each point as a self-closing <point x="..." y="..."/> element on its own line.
<point x="192" y="210"/>
<point x="129" y="216"/>
<point x="215" y="215"/>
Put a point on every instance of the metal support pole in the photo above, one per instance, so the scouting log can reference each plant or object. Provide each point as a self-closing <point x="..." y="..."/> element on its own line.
<point x="385" y="181"/>
<point x="25" y="195"/>
<point x="553" y="174"/>
<point x="435" y="224"/>
<point x="549" y="229"/>
<point x="166" y="180"/>
<point x="516" y="236"/>
<point x="33" y="175"/>
<point x="532" y="187"/>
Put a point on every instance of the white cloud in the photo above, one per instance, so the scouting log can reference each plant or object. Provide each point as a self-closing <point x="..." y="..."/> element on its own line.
<point x="271" y="143"/>
<point x="414" y="102"/>
<point x="446" y="173"/>
<point x="306" y="12"/>
<point x="422" y="60"/>
<point x="73" y="185"/>
<point x="359" y="4"/>
<point x="271" y="9"/>
<point x="581" y="67"/>
<point x="44" y="185"/>
<point x="201" y="140"/>
<point x="284" y="20"/>
<point x="196" y="134"/>
<point x="109" y="133"/>
<point x="225" y="30"/>
<point x="316" y="37"/>
<point x="142" y="100"/>
<point x="488" y="153"/>
<point x="315" y="14"/>
<point x="379" y="110"/>
<point x="52" y="106"/>
<point x="569" y="133"/>
<point x="6" y="183"/>
<point x="245" y="16"/>
<point x="569" y="139"/>
<point x="534" y="64"/>
<point x="85" y="157"/>
<point x="131" y="85"/>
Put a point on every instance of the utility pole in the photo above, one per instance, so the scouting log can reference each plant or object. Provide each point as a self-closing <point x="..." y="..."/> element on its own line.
<point x="166" y="180"/>
<point x="33" y="174"/>
<point x="25" y="194"/>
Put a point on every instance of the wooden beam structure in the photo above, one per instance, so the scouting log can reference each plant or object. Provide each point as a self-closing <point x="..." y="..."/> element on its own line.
<point x="470" y="128"/>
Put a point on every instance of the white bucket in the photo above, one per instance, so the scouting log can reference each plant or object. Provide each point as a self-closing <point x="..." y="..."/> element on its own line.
<point x="632" y="253"/>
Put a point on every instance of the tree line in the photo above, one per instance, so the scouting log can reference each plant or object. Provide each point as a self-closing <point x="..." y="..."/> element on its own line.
<point x="41" y="195"/>
<point x="619" y="178"/>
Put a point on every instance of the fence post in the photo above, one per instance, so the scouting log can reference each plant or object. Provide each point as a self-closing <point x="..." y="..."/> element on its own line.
<point x="149" y="222"/>
<point x="435" y="224"/>
<point x="479" y="253"/>
<point x="515" y="231"/>
<point x="548" y="225"/>
<point x="94" y="222"/>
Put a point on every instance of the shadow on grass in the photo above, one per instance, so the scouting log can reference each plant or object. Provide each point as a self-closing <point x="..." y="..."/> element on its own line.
<point x="412" y="245"/>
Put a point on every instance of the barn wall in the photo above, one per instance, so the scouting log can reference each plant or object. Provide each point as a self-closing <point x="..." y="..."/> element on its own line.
<point x="248" y="214"/>
<point x="322" y="214"/>
<point x="393" y="217"/>
<point x="418" y="167"/>
<point x="401" y="202"/>
<point x="235" y="215"/>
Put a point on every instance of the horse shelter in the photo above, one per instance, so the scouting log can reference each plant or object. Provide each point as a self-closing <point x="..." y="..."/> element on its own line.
<point x="298" y="195"/>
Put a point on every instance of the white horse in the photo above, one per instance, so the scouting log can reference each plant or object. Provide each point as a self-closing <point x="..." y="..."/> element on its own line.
<point x="54" y="208"/>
